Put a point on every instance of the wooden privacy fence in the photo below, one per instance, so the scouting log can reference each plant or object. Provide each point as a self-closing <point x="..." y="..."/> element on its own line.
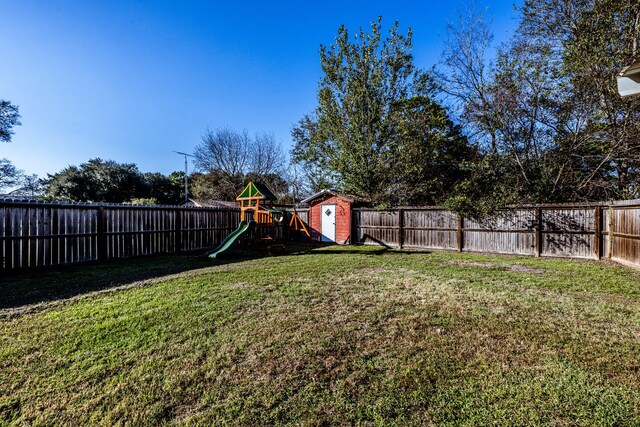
<point x="609" y="230"/>
<point x="36" y="234"/>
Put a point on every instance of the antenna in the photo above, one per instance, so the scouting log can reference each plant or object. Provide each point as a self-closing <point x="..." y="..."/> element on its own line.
<point x="186" y="172"/>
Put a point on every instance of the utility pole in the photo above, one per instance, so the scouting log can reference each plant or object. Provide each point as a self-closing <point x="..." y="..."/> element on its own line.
<point x="186" y="173"/>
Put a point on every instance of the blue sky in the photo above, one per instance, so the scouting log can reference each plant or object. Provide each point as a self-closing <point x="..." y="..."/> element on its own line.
<point x="133" y="80"/>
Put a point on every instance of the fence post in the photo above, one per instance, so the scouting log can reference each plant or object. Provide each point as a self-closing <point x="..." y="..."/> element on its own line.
<point x="401" y="228"/>
<point x="354" y="230"/>
<point x="460" y="233"/>
<point x="611" y="231"/>
<point x="538" y="231"/>
<point x="101" y="234"/>
<point x="597" y="232"/>
<point x="178" y="230"/>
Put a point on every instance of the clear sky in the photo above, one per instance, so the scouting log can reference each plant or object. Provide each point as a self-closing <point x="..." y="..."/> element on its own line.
<point x="132" y="80"/>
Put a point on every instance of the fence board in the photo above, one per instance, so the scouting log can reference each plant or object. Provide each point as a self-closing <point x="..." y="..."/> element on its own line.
<point x="564" y="230"/>
<point x="512" y="231"/>
<point x="626" y="235"/>
<point x="430" y="229"/>
<point x="377" y="227"/>
<point x="569" y="232"/>
<point x="36" y="234"/>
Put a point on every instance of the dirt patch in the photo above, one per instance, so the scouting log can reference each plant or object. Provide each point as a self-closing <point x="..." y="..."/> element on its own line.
<point x="474" y="264"/>
<point x="524" y="269"/>
<point x="238" y="285"/>
<point x="503" y="266"/>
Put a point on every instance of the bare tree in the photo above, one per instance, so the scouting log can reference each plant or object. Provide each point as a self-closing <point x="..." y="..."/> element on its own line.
<point x="238" y="157"/>
<point x="265" y="155"/>
<point x="466" y="74"/>
<point x="224" y="150"/>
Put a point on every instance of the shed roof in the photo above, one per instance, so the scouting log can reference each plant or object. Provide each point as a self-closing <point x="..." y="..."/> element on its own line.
<point x="324" y="193"/>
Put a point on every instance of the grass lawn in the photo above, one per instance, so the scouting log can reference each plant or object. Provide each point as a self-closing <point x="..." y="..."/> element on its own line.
<point x="331" y="336"/>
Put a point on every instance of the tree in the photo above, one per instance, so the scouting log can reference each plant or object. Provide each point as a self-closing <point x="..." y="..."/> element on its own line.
<point x="587" y="43"/>
<point x="229" y="159"/>
<point x="9" y="118"/>
<point x="223" y="150"/>
<point x="29" y="185"/>
<point x="265" y="156"/>
<point x="164" y="190"/>
<point x="510" y="109"/>
<point x="604" y="37"/>
<point x="377" y="129"/>
<point x="558" y="129"/>
<point x="107" y="181"/>
<point x="97" y="181"/>
<point x="466" y="74"/>
<point x="10" y="176"/>
<point x="214" y="185"/>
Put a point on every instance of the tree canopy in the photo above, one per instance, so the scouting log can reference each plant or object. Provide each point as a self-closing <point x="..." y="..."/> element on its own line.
<point x="9" y="118"/>
<point x="108" y="181"/>
<point x="377" y="130"/>
<point x="10" y="176"/>
<point x="546" y="113"/>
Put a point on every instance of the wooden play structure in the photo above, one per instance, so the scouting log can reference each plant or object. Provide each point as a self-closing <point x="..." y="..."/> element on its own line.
<point x="260" y="220"/>
<point x="256" y="204"/>
<point x="296" y="224"/>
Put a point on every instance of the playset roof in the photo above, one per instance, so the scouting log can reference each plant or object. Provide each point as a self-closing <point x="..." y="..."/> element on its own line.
<point x="255" y="190"/>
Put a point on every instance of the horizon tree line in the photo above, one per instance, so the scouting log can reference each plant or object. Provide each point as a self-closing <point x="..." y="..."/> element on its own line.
<point x="539" y="120"/>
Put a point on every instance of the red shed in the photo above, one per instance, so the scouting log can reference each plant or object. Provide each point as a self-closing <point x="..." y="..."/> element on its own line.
<point x="330" y="216"/>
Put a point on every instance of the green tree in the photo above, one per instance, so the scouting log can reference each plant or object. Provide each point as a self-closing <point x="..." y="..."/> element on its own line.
<point x="214" y="185"/>
<point x="426" y="158"/>
<point x="10" y="176"/>
<point x="165" y="190"/>
<point x="587" y="43"/>
<point x="97" y="181"/>
<point x="377" y="130"/>
<point x="29" y="185"/>
<point x="9" y="118"/>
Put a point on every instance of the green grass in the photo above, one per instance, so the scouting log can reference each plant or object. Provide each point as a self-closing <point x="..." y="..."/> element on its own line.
<point x="335" y="336"/>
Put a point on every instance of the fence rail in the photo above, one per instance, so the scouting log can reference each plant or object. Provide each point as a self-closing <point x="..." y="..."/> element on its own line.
<point x="35" y="234"/>
<point x="593" y="230"/>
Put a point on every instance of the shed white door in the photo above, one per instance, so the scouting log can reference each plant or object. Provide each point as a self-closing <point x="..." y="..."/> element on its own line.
<point x="328" y="213"/>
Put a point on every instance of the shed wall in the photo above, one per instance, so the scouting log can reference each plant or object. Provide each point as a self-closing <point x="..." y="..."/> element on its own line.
<point x="343" y="218"/>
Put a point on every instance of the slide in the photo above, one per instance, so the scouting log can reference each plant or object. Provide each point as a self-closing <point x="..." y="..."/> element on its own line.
<point x="243" y="228"/>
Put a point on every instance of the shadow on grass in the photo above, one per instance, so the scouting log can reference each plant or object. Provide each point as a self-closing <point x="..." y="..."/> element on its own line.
<point x="23" y="289"/>
<point x="370" y="251"/>
<point x="26" y="288"/>
<point x="379" y="248"/>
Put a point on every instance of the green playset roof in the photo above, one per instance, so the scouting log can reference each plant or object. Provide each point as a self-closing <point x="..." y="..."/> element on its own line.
<point x="255" y="190"/>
